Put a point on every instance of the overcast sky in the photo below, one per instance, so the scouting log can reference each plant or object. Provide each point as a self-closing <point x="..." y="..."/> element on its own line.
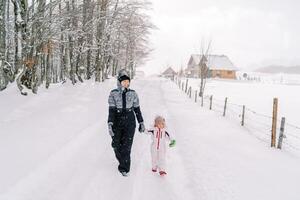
<point x="252" y="33"/>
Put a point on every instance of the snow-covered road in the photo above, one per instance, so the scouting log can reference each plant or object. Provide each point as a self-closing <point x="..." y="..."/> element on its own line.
<point x="55" y="146"/>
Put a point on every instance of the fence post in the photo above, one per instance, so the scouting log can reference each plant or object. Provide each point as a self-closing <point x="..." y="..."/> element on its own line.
<point x="186" y="85"/>
<point x="202" y="100"/>
<point x="225" y="106"/>
<point x="274" y="122"/>
<point x="281" y="135"/>
<point x="243" y="116"/>
<point x="190" y="92"/>
<point x="196" y="96"/>
<point x="210" y="105"/>
<point x="182" y="86"/>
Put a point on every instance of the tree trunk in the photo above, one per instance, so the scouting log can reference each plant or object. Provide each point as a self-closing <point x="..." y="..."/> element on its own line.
<point x="20" y="9"/>
<point x="87" y="17"/>
<point x="3" y="81"/>
<point x="102" y="9"/>
<point x="63" y="70"/>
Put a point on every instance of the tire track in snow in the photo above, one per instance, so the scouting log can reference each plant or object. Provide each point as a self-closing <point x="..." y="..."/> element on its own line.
<point x="62" y="167"/>
<point x="108" y="182"/>
<point x="32" y="145"/>
<point x="148" y="185"/>
<point x="210" y="181"/>
<point x="53" y="178"/>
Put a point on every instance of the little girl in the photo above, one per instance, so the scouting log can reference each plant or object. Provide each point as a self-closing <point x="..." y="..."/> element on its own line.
<point x="158" y="147"/>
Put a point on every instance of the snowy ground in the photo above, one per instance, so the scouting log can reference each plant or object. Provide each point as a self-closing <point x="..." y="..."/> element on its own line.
<point x="278" y="78"/>
<point x="255" y="95"/>
<point x="258" y="99"/>
<point x="55" y="146"/>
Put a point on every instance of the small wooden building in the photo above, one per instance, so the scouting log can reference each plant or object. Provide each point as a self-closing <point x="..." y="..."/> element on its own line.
<point x="169" y="73"/>
<point x="219" y="66"/>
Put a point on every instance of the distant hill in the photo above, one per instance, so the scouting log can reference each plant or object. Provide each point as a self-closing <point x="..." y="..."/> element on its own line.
<point x="274" y="69"/>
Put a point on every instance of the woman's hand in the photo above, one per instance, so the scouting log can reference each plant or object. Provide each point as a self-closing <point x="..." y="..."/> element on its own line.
<point x="141" y="127"/>
<point x="110" y="130"/>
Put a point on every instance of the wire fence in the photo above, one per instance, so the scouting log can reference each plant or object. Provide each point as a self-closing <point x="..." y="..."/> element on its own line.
<point x="257" y="124"/>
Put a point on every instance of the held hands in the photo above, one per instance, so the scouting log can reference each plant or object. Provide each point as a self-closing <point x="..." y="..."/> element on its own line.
<point x="142" y="127"/>
<point x="111" y="133"/>
<point x="172" y="143"/>
<point x="110" y="130"/>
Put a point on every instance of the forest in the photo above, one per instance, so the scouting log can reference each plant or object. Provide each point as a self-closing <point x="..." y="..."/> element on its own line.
<point x="44" y="42"/>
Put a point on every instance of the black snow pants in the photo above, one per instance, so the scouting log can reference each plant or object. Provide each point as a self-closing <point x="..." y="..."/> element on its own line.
<point x="124" y="129"/>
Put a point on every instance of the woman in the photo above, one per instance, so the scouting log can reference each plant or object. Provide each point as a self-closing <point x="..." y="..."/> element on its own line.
<point x="123" y="107"/>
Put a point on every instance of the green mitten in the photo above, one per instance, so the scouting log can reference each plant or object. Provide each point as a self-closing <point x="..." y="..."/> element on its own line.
<point x="172" y="143"/>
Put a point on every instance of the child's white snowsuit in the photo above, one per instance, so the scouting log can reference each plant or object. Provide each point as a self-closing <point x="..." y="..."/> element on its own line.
<point x="158" y="147"/>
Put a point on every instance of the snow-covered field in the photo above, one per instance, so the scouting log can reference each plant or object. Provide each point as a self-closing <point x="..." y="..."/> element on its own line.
<point x="280" y="78"/>
<point x="55" y="146"/>
<point x="258" y="99"/>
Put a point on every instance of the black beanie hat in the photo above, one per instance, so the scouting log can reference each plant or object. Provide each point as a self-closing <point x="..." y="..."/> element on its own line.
<point x="124" y="77"/>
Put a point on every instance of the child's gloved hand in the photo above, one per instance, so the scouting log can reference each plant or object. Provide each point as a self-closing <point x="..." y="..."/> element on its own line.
<point x="172" y="143"/>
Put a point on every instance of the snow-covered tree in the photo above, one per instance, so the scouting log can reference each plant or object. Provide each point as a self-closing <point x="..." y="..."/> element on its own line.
<point x="3" y="72"/>
<point x="57" y="40"/>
